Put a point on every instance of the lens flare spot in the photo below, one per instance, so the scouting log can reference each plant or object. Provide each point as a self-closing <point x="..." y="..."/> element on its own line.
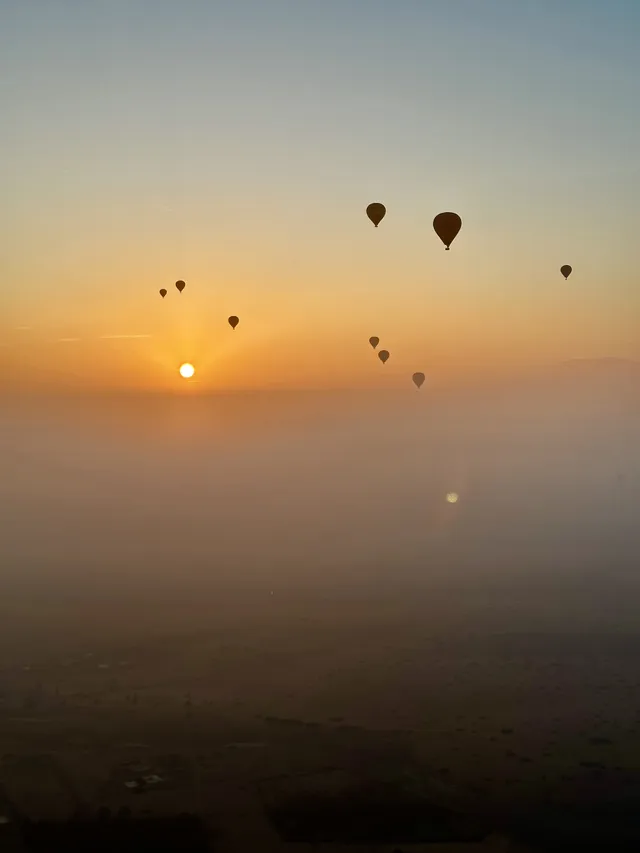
<point x="452" y="497"/>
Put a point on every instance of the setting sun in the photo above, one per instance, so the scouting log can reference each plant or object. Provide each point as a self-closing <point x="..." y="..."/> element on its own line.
<point x="187" y="371"/>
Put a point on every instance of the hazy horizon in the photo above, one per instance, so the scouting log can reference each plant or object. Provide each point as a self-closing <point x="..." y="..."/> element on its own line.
<point x="276" y="488"/>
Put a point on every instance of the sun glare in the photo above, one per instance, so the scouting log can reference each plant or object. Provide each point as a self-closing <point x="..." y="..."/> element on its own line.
<point x="187" y="370"/>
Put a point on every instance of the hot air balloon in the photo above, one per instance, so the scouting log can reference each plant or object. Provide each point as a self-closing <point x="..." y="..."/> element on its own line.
<point x="374" y="341"/>
<point x="180" y="285"/>
<point x="376" y="212"/>
<point x="566" y="271"/>
<point x="418" y="379"/>
<point x="447" y="226"/>
<point x="383" y="355"/>
<point x="163" y="292"/>
<point x="233" y="321"/>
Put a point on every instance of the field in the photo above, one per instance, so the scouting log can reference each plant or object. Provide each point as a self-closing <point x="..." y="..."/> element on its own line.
<point x="242" y="703"/>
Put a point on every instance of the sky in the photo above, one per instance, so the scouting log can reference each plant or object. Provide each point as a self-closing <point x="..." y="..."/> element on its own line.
<point x="237" y="145"/>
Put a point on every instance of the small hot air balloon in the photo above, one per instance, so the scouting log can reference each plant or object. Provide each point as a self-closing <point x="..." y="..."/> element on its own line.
<point x="180" y="285"/>
<point x="447" y="226"/>
<point x="233" y="321"/>
<point x="376" y="212"/>
<point x="374" y="341"/>
<point x="418" y="379"/>
<point x="566" y="271"/>
<point x="163" y="292"/>
<point x="383" y="355"/>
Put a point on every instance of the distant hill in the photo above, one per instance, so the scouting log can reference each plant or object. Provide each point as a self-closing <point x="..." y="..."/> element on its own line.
<point x="601" y="366"/>
<point x="601" y="373"/>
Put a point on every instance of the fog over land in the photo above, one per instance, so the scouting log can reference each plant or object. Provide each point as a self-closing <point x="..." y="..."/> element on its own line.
<point x="319" y="489"/>
<point x="261" y="562"/>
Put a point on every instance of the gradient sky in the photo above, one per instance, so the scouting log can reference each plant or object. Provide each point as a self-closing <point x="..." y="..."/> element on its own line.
<point x="236" y="145"/>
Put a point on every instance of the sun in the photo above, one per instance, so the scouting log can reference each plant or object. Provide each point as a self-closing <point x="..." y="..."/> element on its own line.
<point x="187" y="370"/>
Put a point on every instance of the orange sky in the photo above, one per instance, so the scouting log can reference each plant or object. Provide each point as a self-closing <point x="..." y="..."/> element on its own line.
<point x="125" y="176"/>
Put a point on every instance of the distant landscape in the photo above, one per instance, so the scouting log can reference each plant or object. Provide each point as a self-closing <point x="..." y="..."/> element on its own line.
<point x="349" y="634"/>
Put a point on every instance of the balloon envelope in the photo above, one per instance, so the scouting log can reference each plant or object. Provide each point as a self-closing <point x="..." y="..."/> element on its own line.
<point x="418" y="379"/>
<point x="163" y="292"/>
<point x="180" y="285"/>
<point x="566" y="270"/>
<point x="374" y="341"/>
<point x="383" y="355"/>
<point x="376" y="212"/>
<point x="447" y="227"/>
<point x="233" y="321"/>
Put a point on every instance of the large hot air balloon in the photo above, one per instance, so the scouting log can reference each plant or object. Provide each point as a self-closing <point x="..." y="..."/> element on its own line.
<point x="418" y="379"/>
<point x="374" y="341"/>
<point x="233" y="321"/>
<point x="376" y="212"/>
<point x="447" y="226"/>
<point x="383" y="355"/>
<point x="566" y="271"/>
<point x="180" y="285"/>
<point x="163" y="292"/>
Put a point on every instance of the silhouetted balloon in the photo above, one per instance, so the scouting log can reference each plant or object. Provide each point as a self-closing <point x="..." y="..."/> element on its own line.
<point x="180" y="285"/>
<point x="163" y="292"/>
<point x="233" y="321"/>
<point x="374" y="341"/>
<point x="376" y="212"/>
<point x="418" y="379"/>
<point x="383" y="355"/>
<point x="447" y="226"/>
<point x="566" y="270"/>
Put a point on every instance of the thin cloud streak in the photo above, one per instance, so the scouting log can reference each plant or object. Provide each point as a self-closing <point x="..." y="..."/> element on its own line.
<point x="120" y="337"/>
<point x="67" y="340"/>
